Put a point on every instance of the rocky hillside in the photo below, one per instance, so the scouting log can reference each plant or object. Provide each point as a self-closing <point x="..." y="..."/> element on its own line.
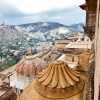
<point x="10" y="38"/>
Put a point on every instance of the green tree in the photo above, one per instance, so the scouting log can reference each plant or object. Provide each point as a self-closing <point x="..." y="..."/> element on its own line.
<point x="9" y="62"/>
<point x="35" y="51"/>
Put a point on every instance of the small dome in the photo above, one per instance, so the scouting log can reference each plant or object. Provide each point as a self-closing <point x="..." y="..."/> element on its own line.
<point x="57" y="82"/>
<point x="77" y="34"/>
<point x="30" y="65"/>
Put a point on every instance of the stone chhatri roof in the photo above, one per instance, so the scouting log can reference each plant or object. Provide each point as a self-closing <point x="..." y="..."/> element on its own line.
<point x="58" y="75"/>
<point x="30" y="65"/>
<point x="57" y="82"/>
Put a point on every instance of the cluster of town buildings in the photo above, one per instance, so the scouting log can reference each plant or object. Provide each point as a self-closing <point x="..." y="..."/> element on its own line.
<point x="64" y="73"/>
<point x="74" y="51"/>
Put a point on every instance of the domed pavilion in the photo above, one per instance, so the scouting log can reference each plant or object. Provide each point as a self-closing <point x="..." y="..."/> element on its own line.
<point x="27" y="70"/>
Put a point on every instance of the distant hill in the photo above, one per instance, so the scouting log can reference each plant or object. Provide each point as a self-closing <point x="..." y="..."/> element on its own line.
<point x="47" y="26"/>
<point x="42" y="26"/>
<point x="77" y="27"/>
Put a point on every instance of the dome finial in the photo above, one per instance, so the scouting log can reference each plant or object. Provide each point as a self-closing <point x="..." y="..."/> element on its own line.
<point x="29" y="53"/>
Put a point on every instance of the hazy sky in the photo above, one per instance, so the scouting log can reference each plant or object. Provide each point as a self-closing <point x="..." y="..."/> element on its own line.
<point x="16" y="12"/>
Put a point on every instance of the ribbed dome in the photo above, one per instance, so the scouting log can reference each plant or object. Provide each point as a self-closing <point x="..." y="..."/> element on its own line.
<point x="77" y="34"/>
<point x="30" y="65"/>
<point x="58" y="75"/>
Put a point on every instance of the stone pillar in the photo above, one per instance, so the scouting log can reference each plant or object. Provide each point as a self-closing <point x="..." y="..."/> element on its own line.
<point x="97" y="54"/>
